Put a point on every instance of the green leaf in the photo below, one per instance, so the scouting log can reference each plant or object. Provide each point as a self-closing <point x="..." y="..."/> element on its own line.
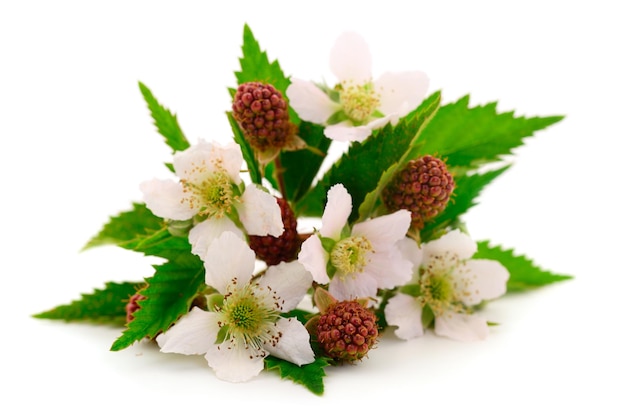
<point x="466" y="192"/>
<point x="361" y="167"/>
<point x="246" y="150"/>
<point x="256" y="67"/>
<point x="469" y="137"/>
<point x="524" y="274"/>
<point x="165" y="121"/>
<point x="168" y="295"/>
<point x="311" y="375"/>
<point x="126" y="226"/>
<point x="103" y="306"/>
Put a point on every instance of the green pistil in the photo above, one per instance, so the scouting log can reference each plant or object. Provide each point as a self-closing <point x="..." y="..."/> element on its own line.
<point x="359" y="102"/>
<point x="350" y="254"/>
<point x="247" y="320"/>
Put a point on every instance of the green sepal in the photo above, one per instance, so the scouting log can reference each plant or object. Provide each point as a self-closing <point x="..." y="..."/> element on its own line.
<point x="327" y="243"/>
<point x="310" y="376"/>
<point x="165" y="121"/>
<point x="428" y="316"/>
<point x="412" y="289"/>
<point x="524" y="274"/>
<point x="102" y="306"/>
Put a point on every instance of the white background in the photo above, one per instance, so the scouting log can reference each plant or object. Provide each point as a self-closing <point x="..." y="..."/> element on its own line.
<point x="77" y="140"/>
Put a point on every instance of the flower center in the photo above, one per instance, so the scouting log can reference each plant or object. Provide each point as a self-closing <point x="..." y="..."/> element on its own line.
<point x="359" y="102"/>
<point x="248" y="317"/>
<point x="213" y="195"/>
<point x="439" y="288"/>
<point x="350" y="254"/>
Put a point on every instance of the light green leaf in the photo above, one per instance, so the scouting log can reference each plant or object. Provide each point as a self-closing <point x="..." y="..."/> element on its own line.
<point x="524" y="274"/>
<point x="311" y="376"/>
<point x="126" y="226"/>
<point x="102" y="306"/>
<point x="469" y="137"/>
<point x="165" y="121"/>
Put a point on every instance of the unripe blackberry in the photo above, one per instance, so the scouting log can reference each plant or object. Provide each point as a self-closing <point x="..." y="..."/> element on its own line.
<point x="273" y="249"/>
<point x="423" y="187"/>
<point x="263" y="115"/>
<point x="346" y="331"/>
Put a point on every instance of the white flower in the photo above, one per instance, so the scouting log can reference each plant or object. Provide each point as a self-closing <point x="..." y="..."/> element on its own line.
<point x="357" y="104"/>
<point x="210" y="188"/>
<point x="246" y="325"/>
<point x="361" y="261"/>
<point x="449" y="284"/>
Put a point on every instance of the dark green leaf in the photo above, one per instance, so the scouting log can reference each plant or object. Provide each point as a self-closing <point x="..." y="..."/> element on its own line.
<point x="524" y="274"/>
<point x="468" y="137"/>
<point x="106" y="306"/>
<point x="311" y="376"/>
<point x="165" y="121"/>
<point x="360" y="169"/>
<point x="169" y="295"/>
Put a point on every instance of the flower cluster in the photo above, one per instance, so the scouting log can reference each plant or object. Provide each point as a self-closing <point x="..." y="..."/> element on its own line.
<point x="245" y="285"/>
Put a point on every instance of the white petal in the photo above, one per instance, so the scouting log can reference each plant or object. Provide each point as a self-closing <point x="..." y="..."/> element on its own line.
<point x="228" y="258"/>
<point x="229" y="158"/>
<point x="453" y="242"/>
<point x="390" y="268"/>
<point x="194" y="333"/>
<point x="405" y="312"/>
<point x="461" y="327"/>
<point x="350" y="59"/>
<point x="336" y="212"/>
<point x="361" y="285"/>
<point x="234" y="364"/>
<point x="384" y="231"/>
<point x="401" y="92"/>
<point x="202" y="234"/>
<point x="192" y="163"/>
<point x="259" y="212"/>
<point x="410" y="251"/>
<point x="487" y="280"/>
<point x="294" y="345"/>
<point x="314" y="259"/>
<point x="165" y="199"/>
<point x="346" y="132"/>
<point x="310" y="102"/>
<point x="290" y="281"/>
